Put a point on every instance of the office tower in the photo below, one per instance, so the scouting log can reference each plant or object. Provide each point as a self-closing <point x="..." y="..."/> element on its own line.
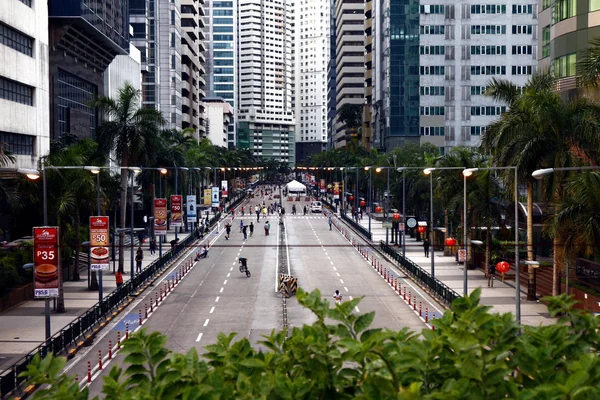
<point x="221" y="56"/>
<point x="311" y="59"/>
<point x="266" y="117"/>
<point x="24" y="81"/>
<point x="84" y="38"/>
<point x="367" y="127"/>
<point x="331" y="94"/>
<point x="143" y="18"/>
<point x="350" y="63"/>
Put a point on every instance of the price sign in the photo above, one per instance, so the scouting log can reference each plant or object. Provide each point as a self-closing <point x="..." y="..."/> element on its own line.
<point x="99" y="234"/>
<point x="160" y="217"/>
<point x="462" y="255"/>
<point x="46" y="271"/>
<point x="176" y="214"/>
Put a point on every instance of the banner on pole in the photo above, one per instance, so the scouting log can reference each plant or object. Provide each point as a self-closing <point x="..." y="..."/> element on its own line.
<point x="462" y="255"/>
<point x="176" y="211"/>
<point x="224" y="189"/>
<point x="215" y="196"/>
<point x="99" y="238"/>
<point x="46" y="271"/>
<point x="160" y="217"/>
<point x="191" y="208"/>
<point x="207" y="195"/>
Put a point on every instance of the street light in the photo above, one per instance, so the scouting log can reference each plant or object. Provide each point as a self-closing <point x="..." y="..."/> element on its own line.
<point x="532" y="266"/>
<point x="386" y="202"/>
<point x="470" y="171"/>
<point x="369" y="199"/>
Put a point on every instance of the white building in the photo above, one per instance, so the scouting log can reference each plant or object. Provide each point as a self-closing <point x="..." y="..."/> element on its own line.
<point x="123" y="69"/>
<point x="311" y="56"/>
<point x="24" y="80"/>
<point x="462" y="47"/>
<point x="219" y="115"/>
<point x="266" y="120"/>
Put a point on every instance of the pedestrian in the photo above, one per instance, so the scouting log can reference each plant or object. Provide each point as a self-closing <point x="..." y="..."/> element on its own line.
<point x="251" y="228"/>
<point x="241" y="226"/>
<point x="227" y="230"/>
<point x="330" y="221"/>
<point x="426" y="245"/>
<point x="337" y="297"/>
<point x="152" y="246"/>
<point x="119" y="278"/>
<point x="304" y="210"/>
<point x="267" y="227"/>
<point x="491" y="272"/>
<point x="245" y="231"/>
<point x="360" y="213"/>
<point x="139" y="256"/>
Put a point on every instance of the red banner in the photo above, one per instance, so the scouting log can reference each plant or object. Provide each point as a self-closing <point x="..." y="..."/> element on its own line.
<point x="176" y="211"/>
<point x="99" y="241"/>
<point x="46" y="254"/>
<point x="160" y="217"/>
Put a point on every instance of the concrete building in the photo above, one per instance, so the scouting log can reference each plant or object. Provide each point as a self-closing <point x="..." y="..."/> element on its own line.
<point x="266" y="122"/>
<point x="311" y="60"/>
<point x="123" y="69"/>
<point x="219" y="114"/>
<point x="220" y="22"/>
<point x="144" y="19"/>
<point x="84" y="39"/>
<point x="431" y="68"/>
<point x="24" y="81"/>
<point x="350" y="62"/>
<point x="331" y="82"/>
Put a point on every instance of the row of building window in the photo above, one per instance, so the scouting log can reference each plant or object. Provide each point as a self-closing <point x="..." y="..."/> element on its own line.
<point x="431" y="110"/>
<point x="488" y="9"/>
<point x="434" y="50"/>
<point x="488" y="29"/>
<point x="432" y="69"/>
<point x="17" y="144"/>
<point x="432" y="131"/>
<point x="488" y="110"/>
<point x="478" y="130"/>
<point x="222" y="13"/>
<point x="432" y="29"/>
<point x="490" y="50"/>
<point x="432" y="90"/>
<point x="16" y="40"/>
<point x="432" y="9"/>
<point x="488" y="70"/>
<point x="16" y="91"/>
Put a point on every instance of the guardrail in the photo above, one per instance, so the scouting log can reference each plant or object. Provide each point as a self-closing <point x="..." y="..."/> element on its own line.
<point x="329" y="205"/>
<point x="358" y="227"/>
<point x="84" y="324"/>
<point x="439" y="289"/>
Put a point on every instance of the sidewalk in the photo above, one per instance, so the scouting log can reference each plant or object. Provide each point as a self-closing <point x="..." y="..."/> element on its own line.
<point x="501" y="297"/>
<point x="22" y="328"/>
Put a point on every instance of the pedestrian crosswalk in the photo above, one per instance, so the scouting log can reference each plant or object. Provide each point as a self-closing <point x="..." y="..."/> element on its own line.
<point x="308" y="216"/>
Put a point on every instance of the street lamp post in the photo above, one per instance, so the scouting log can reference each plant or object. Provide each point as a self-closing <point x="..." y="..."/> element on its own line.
<point x="369" y="199"/>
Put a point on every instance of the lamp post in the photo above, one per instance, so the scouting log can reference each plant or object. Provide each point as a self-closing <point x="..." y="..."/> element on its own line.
<point x="532" y="266"/>
<point x="517" y="263"/>
<point x="369" y="200"/>
<point x="132" y="171"/>
<point x="386" y="213"/>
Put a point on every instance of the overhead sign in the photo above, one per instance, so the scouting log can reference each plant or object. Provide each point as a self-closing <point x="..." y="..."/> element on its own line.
<point x="411" y="222"/>
<point x="215" y="196"/>
<point x="46" y="255"/>
<point x="207" y="194"/>
<point x="99" y="237"/>
<point x="224" y="189"/>
<point x="191" y="208"/>
<point x="160" y="217"/>
<point x="176" y="211"/>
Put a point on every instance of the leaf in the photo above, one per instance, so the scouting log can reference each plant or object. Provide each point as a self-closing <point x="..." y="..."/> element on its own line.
<point x="363" y="322"/>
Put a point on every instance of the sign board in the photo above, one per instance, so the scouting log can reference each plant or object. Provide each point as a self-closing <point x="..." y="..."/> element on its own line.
<point x="215" y="196"/>
<point x="176" y="211"/>
<point x="411" y="223"/>
<point x="191" y="208"/>
<point x="99" y="238"/>
<point x="336" y="190"/>
<point x="207" y="195"/>
<point x="462" y="255"/>
<point x="224" y="189"/>
<point x="401" y="226"/>
<point x="160" y="217"/>
<point x="46" y="271"/>
<point x="386" y="224"/>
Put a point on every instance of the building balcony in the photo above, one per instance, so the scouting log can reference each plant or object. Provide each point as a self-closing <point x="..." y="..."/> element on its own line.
<point x="186" y="118"/>
<point x="186" y="102"/>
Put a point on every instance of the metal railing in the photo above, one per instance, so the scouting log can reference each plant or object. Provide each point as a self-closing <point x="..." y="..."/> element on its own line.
<point x="358" y="227"/>
<point x="84" y="324"/>
<point x="439" y="289"/>
<point x="332" y="207"/>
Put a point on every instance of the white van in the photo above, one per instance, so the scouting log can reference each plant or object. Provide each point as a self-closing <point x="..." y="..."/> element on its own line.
<point x="316" y="206"/>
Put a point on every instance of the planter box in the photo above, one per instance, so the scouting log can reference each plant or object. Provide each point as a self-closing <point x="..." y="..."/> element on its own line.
<point x="585" y="301"/>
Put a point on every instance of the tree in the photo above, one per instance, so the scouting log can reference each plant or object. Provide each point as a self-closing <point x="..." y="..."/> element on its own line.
<point x="130" y="131"/>
<point x="588" y="65"/>
<point x="351" y="115"/>
<point x="541" y="130"/>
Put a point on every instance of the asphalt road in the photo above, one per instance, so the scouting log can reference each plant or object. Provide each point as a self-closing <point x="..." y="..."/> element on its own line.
<point x="215" y="297"/>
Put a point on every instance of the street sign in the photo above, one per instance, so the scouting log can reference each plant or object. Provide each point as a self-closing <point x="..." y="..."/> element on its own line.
<point x="99" y="235"/>
<point x="46" y="273"/>
<point x="160" y="217"/>
<point x="411" y="222"/>
<point x="176" y="211"/>
<point x="462" y="255"/>
<point x="401" y="226"/>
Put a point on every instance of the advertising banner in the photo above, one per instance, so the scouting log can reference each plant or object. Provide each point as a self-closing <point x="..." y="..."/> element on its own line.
<point x="215" y="196"/>
<point x="45" y="261"/>
<point x="462" y="255"/>
<point x="224" y="189"/>
<point x="336" y="190"/>
<point x="160" y="217"/>
<point x="322" y="185"/>
<point x="99" y="238"/>
<point x="176" y="211"/>
<point x="207" y="196"/>
<point x="191" y="208"/>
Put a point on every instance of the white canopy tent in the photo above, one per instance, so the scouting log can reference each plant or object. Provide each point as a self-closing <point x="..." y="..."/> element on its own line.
<point x="295" y="186"/>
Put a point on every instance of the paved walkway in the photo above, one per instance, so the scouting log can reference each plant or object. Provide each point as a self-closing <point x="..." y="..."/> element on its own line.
<point x="502" y="297"/>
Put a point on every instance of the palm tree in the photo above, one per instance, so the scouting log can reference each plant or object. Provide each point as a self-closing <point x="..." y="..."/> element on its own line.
<point x="541" y="130"/>
<point x="588" y="65"/>
<point x="130" y="131"/>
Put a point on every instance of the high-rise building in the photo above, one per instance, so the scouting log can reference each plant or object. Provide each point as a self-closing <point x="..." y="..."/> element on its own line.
<point x="84" y="38"/>
<point x="143" y="18"/>
<point x="331" y="95"/>
<point x="350" y="63"/>
<point x="311" y="60"/>
<point x="266" y="121"/>
<point x="24" y="81"/>
<point x="219" y="113"/>
<point x="433" y="62"/>
<point x="221" y="56"/>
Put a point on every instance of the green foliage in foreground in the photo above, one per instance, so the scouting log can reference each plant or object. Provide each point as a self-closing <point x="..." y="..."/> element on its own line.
<point x="471" y="354"/>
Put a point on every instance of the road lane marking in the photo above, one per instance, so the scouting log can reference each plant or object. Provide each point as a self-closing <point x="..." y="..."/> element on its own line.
<point x="337" y="273"/>
<point x="206" y="322"/>
<point x="233" y="263"/>
<point x="212" y="310"/>
<point x="221" y="291"/>
<point x="199" y="336"/>
<point x="217" y="299"/>
<point x="229" y="274"/>
<point x="342" y="281"/>
<point x="334" y="268"/>
<point x="345" y="288"/>
<point x="331" y="262"/>
<point x="225" y="282"/>
<point x="231" y="269"/>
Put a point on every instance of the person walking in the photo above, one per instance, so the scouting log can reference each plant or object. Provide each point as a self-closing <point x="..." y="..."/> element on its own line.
<point x="330" y="221"/>
<point x="245" y="231"/>
<point x="139" y="257"/>
<point x="426" y="245"/>
<point x="119" y="278"/>
<point x="152" y="246"/>
<point x="251" y="228"/>
<point x="491" y="272"/>
<point x="227" y="230"/>
<point x="241" y="226"/>
<point x="337" y="296"/>
<point x="267" y="227"/>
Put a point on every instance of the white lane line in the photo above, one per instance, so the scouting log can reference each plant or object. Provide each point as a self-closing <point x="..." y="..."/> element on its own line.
<point x="345" y="288"/>
<point x="199" y="336"/>
<point x="233" y="263"/>
<point x="225" y="282"/>
<point x="221" y="291"/>
<point x="217" y="299"/>
<point x="338" y="274"/>
<point x="331" y="262"/>
<point x="329" y="258"/>
<point x="212" y="310"/>
<point x="356" y="308"/>
<point x="334" y="268"/>
<point x="229" y="274"/>
<point x="231" y="269"/>
<point x="342" y="281"/>
<point x="206" y="322"/>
